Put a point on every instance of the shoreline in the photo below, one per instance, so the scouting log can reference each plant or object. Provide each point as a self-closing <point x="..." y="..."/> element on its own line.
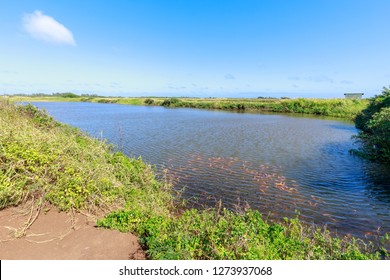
<point x="335" y="107"/>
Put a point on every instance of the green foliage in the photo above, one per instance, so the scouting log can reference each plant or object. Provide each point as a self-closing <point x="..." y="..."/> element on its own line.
<point x="375" y="105"/>
<point x="171" y="102"/>
<point x="39" y="117"/>
<point x="86" y="99"/>
<point x="374" y="122"/>
<point x="217" y="235"/>
<point x="107" y="100"/>
<point x="240" y="107"/>
<point x="67" y="95"/>
<point x="326" y="107"/>
<point x="149" y="101"/>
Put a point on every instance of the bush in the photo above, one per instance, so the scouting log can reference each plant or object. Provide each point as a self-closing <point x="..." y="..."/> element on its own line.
<point x="170" y="102"/>
<point x="376" y="104"/>
<point x="149" y="101"/>
<point x="39" y="117"/>
<point x="67" y="95"/>
<point x="374" y="122"/>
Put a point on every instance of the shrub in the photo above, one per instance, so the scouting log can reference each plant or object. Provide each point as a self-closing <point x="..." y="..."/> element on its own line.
<point x="374" y="123"/>
<point x="170" y="102"/>
<point x="149" y="101"/>
<point x="67" y="95"/>
<point x="39" y="117"/>
<point x="376" y="104"/>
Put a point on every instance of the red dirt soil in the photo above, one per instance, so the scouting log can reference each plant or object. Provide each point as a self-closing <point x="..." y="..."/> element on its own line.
<point x="57" y="236"/>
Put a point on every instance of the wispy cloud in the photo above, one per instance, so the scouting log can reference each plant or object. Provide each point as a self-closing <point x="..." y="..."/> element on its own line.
<point x="229" y="77"/>
<point x="46" y="28"/>
<point x="9" y="72"/>
<point x="176" y="87"/>
<point x="316" y="79"/>
<point x="115" y="85"/>
<point x="321" y="79"/>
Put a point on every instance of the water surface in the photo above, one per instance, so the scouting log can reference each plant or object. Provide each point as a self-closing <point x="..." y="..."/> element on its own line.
<point x="278" y="164"/>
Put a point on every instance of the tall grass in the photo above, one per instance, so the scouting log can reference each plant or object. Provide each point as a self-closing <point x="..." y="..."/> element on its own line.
<point x="344" y="108"/>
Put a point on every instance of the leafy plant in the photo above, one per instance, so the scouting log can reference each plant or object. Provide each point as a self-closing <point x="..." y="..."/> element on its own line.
<point x="223" y="234"/>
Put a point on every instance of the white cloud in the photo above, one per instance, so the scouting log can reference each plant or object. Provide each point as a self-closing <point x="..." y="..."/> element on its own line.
<point x="46" y="28"/>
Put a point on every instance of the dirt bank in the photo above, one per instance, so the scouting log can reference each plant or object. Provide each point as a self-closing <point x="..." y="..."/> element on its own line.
<point x="59" y="236"/>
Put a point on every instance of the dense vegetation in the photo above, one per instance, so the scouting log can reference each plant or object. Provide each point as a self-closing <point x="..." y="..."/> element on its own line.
<point x="344" y="108"/>
<point x="374" y="122"/>
<point x="44" y="161"/>
<point x="222" y="234"/>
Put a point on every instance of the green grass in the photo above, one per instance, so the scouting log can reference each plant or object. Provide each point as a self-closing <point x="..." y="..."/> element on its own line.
<point x="48" y="162"/>
<point x="225" y="235"/>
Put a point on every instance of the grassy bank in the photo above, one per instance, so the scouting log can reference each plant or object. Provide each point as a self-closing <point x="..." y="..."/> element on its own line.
<point x="48" y="162"/>
<point x="44" y="160"/>
<point x="342" y="108"/>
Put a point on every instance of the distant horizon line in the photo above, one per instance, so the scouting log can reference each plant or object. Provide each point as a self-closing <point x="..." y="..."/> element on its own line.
<point x="275" y="95"/>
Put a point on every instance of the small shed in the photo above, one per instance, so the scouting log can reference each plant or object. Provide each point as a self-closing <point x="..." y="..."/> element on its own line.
<point x="353" y="95"/>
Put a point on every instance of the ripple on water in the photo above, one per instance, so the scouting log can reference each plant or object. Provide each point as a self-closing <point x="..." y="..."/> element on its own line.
<point x="274" y="163"/>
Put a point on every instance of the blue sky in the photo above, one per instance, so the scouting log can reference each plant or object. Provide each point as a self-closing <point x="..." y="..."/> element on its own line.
<point x="242" y="48"/>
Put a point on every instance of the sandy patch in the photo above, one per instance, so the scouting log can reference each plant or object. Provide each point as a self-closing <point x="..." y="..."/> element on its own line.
<point x="57" y="236"/>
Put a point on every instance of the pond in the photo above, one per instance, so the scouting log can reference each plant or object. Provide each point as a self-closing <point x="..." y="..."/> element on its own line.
<point x="278" y="164"/>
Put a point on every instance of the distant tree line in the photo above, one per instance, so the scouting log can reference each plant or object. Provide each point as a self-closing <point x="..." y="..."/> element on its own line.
<point x="59" y="94"/>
